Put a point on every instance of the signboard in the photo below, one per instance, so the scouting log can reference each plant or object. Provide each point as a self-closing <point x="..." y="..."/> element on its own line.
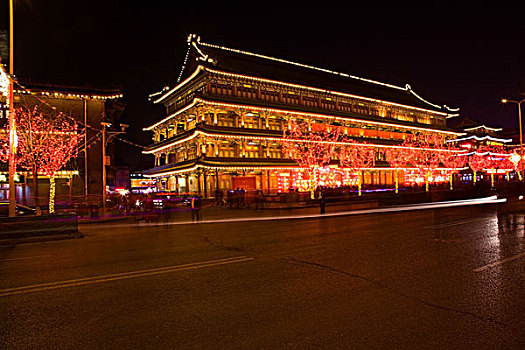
<point x="245" y="182"/>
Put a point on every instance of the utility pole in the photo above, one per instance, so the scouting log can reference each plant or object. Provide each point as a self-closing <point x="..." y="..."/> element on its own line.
<point x="86" y="182"/>
<point x="104" y="124"/>
<point x="104" y="144"/>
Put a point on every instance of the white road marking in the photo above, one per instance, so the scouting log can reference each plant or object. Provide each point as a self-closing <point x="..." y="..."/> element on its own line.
<point x="458" y="223"/>
<point x="120" y="276"/>
<point x="25" y="258"/>
<point x="499" y="262"/>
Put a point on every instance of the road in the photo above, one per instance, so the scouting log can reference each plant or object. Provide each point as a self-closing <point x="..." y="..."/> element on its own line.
<point x="432" y="279"/>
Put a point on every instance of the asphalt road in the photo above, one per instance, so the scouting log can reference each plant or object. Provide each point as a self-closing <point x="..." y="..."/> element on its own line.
<point x="447" y="279"/>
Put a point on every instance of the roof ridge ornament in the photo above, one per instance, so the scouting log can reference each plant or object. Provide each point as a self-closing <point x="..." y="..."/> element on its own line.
<point x="409" y="89"/>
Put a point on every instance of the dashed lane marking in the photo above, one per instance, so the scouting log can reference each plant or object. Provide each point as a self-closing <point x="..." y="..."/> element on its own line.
<point x="499" y="262"/>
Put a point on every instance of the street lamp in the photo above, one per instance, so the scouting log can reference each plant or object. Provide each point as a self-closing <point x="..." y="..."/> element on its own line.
<point x="10" y="100"/>
<point x="519" y="119"/>
<point x="104" y="144"/>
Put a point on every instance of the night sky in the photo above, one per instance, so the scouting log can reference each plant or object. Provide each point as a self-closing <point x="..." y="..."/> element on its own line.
<point x="461" y="57"/>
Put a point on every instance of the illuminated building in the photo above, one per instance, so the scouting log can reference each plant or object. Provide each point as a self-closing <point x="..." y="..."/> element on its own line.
<point x="226" y="115"/>
<point x="88" y="106"/>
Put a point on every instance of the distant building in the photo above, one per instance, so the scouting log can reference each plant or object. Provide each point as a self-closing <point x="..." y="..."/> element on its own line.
<point x="478" y="134"/>
<point x="89" y="106"/>
<point x="142" y="184"/>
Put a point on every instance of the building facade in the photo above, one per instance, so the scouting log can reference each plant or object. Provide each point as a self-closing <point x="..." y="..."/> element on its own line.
<point x="81" y="179"/>
<point x="226" y="115"/>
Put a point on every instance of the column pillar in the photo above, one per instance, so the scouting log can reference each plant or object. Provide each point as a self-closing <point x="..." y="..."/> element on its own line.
<point x="268" y="180"/>
<point x="205" y="175"/>
<point x="217" y="179"/>
<point x="199" y="183"/>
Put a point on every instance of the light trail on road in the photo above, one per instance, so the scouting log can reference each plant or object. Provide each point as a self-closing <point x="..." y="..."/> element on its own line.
<point x="394" y="209"/>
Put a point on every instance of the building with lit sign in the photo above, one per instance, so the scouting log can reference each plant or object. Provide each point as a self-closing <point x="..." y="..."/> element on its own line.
<point x="226" y="115"/>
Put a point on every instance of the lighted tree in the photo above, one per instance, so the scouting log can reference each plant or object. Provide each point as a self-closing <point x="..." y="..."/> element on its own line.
<point x="399" y="158"/>
<point x="497" y="158"/>
<point x="453" y="159"/>
<point x="479" y="160"/>
<point x="427" y="153"/>
<point x="45" y="145"/>
<point x="357" y="156"/>
<point x="309" y="149"/>
<point x="518" y="163"/>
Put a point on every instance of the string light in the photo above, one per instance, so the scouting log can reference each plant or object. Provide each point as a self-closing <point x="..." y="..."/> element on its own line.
<point x="194" y="41"/>
<point x="70" y="95"/>
<point x="481" y="138"/>
<point x="483" y="127"/>
<point x="296" y="86"/>
<point x="45" y="145"/>
<point x="296" y="113"/>
<point x="197" y="133"/>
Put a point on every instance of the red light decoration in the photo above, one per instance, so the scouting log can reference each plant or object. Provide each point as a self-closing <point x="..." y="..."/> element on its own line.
<point x="453" y="161"/>
<point x="399" y="158"/>
<point x="427" y="154"/>
<point x="479" y="160"/>
<point x="45" y="145"/>
<point x="315" y="153"/>
<point x="357" y="157"/>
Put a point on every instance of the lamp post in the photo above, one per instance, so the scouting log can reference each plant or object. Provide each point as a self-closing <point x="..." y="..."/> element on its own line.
<point x="104" y="144"/>
<point x="12" y="131"/>
<point x="519" y="120"/>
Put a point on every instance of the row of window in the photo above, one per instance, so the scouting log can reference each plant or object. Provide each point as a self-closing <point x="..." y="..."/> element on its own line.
<point x="310" y="101"/>
<point x="231" y="151"/>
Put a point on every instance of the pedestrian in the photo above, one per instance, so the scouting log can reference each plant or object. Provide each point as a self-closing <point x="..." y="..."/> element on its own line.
<point x="166" y="215"/>
<point x="148" y="209"/>
<point x="218" y="196"/>
<point x="258" y="199"/>
<point x="195" y="208"/>
<point x="230" y="198"/>
<point x="237" y="197"/>
<point x="322" y="203"/>
<point x="241" y="193"/>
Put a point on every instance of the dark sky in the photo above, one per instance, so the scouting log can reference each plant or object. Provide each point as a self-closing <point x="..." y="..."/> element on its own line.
<point x="462" y="57"/>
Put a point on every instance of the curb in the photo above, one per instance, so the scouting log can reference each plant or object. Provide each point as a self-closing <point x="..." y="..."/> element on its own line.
<point x="38" y="239"/>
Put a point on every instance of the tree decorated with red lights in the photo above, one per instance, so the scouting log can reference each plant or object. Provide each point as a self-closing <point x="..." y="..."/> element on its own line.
<point x="45" y="145"/>
<point x="506" y="163"/>
<point x="427" y="155"/>
<point x="309" y="149"/>
<point x="479" y="160"/>
<point x="357" y="156"/>
<point x="399" y="158"/>
<point x="453" y="159"/>
<point x="497" y="158"/>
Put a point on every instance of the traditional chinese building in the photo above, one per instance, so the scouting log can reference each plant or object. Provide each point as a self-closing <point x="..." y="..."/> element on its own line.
<point x="226" y="115"/>
<point x="477" y="135"/>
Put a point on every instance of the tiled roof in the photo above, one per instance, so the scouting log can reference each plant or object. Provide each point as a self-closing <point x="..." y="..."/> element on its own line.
<point x="261" y="66"/>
